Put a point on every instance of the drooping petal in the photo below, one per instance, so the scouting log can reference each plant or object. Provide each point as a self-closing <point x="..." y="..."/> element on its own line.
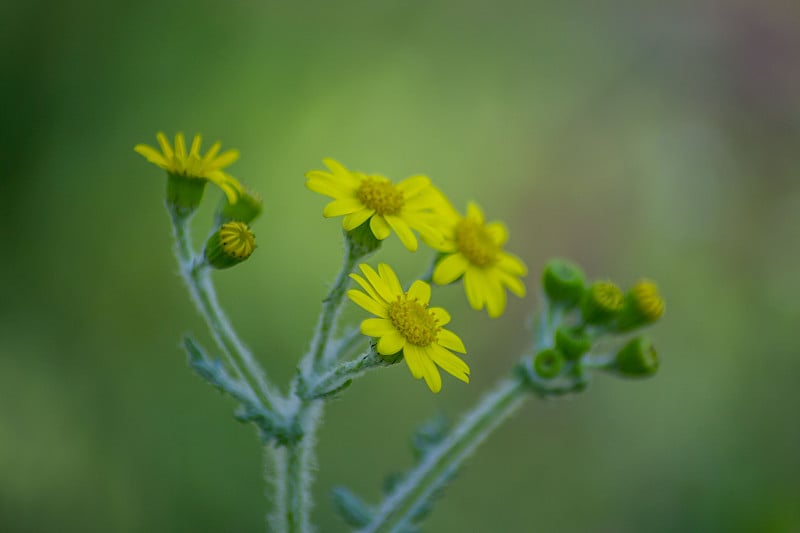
<point x="430" y="372"/>
<point x="450" y="363"/>
<point x="495" y="296"/>
<point x="367" y="303"/>
<point x="441" y="314"/>
<point x="343" y="206"/>
<point x="379" y="227"/>
<point x="450" y="269"/>
<point x="354" y="220"/>
<point x="421" y="291"/>
<point x="387" y="275"/>
<point x="450" y="340"/>
<point x="413" y="356"/>
<point x="403" y="232"/>
<point x="472" y="285"/>
<point x="391" y="343"/>
<point x="377" y="327"/>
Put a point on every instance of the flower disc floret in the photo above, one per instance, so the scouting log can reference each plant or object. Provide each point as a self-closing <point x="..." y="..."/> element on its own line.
<point x="474" y="250"/>
<point x="406" y="322"/>
<point x="412" y="205"/>
<point x="237" y="239"/>
<point x="177" y="162"/>
<point x="648" y="299"/>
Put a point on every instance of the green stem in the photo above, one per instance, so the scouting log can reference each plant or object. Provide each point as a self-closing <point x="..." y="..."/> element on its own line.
<point x="338" y="378"/>
<point x="438" y="466"/>
<point x="202" y="291"/>
<point x="300" y="463"/>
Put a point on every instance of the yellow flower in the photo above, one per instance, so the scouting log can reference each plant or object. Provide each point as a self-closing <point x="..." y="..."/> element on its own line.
<point x="405" y="322"/>
<point x="192" y="165"/>
<point x="409" y="205"/>
<point x="475" y="251"/>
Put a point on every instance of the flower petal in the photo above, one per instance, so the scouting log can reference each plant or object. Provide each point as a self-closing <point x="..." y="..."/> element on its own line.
<point x="343" y="206"/>
<point x="441" y="314"/>
<point x="387" y="275"/>
<point x="381" y="287"/>
<point x="195" y="150"/>
<point x="180" y="146"/>
<point x="412" y="185"/>
<point x="341" y="173"/>
<point x="165" y="146"/>
<point x="377" y="327"/>
<point x="391" y="343"/>
<point x="327" y="187"/>
<point x="368" y="288"/>
<point x="473" y="284"/>
<point x="498" y="232"/>
<point x="151" y="154"/>
<point x="450" y="363"/>
<point x="354" y="220"/>
<point x="212" y="153"/>
<point x="512" y="264"/>
<point x="379" y="227"/>
<point x="450" y="269"/>
<point x="225" y="159"/>
<point x="430" y="372"/>
<point x="421" y="291"/>
<point x="403" y="232"/>
<point x="475" y="213"/>
<point x="450" y="340"/>
<point x="513" y="283"/>
<point x="413" y="356"/>
<point x="367" y="303"/>
<point x="495" y="296"/>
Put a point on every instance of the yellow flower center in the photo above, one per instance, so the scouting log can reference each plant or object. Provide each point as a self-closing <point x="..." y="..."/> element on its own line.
<point x="414" y="321"/>
<point x="381" y="196"/>
<point x="475" y="243"/>
<point x="237" y="240"/>
<point x="648" y="300"/>
<point x="607" y="296"/>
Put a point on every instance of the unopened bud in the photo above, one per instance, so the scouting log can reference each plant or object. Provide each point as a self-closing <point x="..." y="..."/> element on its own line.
<point x="231" y="244"/>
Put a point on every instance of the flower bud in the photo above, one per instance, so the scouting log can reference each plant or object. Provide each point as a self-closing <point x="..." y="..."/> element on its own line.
<point x="638" y="358"/>
<point x="601" y="302"/>
<point x="548" y="363"/>
<point x="573" y="342"/>
<point x="247" y="207"/>
<point x="184" y="193"/>
<point x="643" y="305"/>
<point x="563" y="282"/>
<point x="231" y="244"/>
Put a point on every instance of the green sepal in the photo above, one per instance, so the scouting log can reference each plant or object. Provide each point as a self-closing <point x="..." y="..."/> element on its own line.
<point x="601" y="302"/>
<point x="246" y="209"/>
<point x="638" y="358"/>
<point x="351" y="508"/>
<point x="563" y="282"/>
<point x="572" y="342"/>
<point x="548" y="363"/>
<point x="362" y="241"/>
<point x="184" y="194"/>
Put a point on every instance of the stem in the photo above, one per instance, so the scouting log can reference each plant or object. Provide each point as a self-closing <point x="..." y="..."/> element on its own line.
<point x="204" y="296"/>
<point x="338" y="378"/>
<point x="439" y="465"/>
<point x="300" y="461"/>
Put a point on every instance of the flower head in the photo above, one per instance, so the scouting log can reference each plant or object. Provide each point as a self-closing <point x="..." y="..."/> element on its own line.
<point x="406" y="322"/>
<point x="231" y="244"/>
<point x="208" y="167"/>
<point x="474" y="249"/>
<point x="411" y="204"/>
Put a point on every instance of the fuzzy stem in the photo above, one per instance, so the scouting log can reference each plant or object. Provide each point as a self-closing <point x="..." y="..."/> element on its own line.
<point x="438" y="466"/>
<point x="338" y="378"/>
<point x="204" y="296"/>
<point x="300" y="464"/>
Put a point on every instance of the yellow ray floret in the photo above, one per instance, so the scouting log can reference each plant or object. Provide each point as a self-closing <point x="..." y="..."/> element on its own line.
<point x="406" y="322"/>
<point x="412" y="204"/>
<point x="474" y="251"/>
<point x="177" y="161"/>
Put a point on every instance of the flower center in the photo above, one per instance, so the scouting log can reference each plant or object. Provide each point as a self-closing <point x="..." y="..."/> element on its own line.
<point x="381" y="196"/>
<point x="413" y="321"/>
<point x="607" y="296"/>
<point x="237" y="240"/>
<point x="647" y="298"/>
<point x="475" y="243"/>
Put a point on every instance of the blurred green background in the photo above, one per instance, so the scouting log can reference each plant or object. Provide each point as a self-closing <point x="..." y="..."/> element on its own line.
<point x="638" y="138"/>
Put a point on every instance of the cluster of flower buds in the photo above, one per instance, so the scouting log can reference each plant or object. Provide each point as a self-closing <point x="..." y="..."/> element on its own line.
<point x="587" y="312"/>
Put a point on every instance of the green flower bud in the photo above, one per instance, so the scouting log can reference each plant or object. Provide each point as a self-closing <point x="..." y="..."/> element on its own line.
<point x="601" y="302"/>
<point x="362" y="241"/>
<point x="563" y="282"/>
<point x="548" y="363"/>
<point x="247" y="207"/>
<point x="638" y="358"/>
<point x="643" y="305"/>
<point x="231" y="244"/>
<point x="184" y="193"/>
<point x="573" y="342"/>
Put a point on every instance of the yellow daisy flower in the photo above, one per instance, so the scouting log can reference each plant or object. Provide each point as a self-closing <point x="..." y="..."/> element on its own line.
<point x="475" y="251"/>
<point x="192" y="165"/>
<point x="405" y="322"/>
<point x="409" y="205"/>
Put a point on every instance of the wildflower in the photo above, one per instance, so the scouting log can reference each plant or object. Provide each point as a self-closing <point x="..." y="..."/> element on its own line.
<point x="601" y="302"/>
<point x="409" y="205"/>
<point x="192" y="165"/>
<point x="405" y="322"/>
<point x="475" y="251"/>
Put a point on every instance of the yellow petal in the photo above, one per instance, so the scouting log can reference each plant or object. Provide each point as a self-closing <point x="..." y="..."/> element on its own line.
<point x="379" y="227"/>
<point x="450" y="340"/>
<point x="343" y="206"/>
<point x="498" y="232"/>
<point x="341" y="173"/>
<point x="403" y="232"/>
<point x="391" y="343"/>
<point x="473" y="286"/>
<point x="512" y="264"/>
<point x="377" y="327"/>
<point x="441" y="314"/>
<point x="226" y="158"/>
<point x="450" y="269"/>
<point x="413" y="185"/>
<point x="354" y="220"/>
<point x="212" y="152"/>
<point x="165" y="146"/>
<point x="474" y="212"/>
<point x="413" y="357"/>
<point x="450" y="363"/>
<point x="421" y="291"/>
<point x="495" y="297"/>
<point x="367" y="303"/>
<point x="327" y="187"/>
<point x="430" y="372"/>
<point x="195" y="150"/>
<point x="180" y="146"/>
<point x="513" y="283"/>
<point x="151" y="154"/>
<point x="381" y="287"/>
<point x="367" y="287"/>
<point x="390" y="278"/>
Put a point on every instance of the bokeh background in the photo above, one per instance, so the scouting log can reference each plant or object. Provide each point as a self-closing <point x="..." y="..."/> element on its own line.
<point x="638" y="138"/>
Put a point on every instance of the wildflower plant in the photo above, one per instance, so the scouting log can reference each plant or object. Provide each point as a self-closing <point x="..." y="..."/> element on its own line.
<point x="579" y="320"/>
